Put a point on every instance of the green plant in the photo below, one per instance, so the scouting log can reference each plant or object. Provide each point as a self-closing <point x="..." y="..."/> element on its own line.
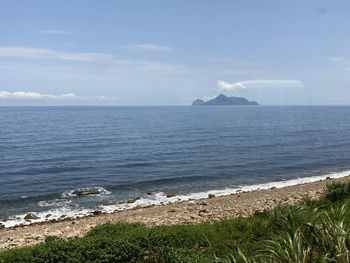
<point x="337" y="191"/>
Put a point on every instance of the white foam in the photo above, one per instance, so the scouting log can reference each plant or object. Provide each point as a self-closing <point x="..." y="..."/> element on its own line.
<point x="54" y="202"/>
<point x="161" y="198"/>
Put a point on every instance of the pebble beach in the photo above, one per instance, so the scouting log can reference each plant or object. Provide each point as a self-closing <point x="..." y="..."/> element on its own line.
<point x="210" y="209"/>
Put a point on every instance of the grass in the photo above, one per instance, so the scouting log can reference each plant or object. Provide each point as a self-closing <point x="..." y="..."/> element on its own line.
<point x="314" y="231"/>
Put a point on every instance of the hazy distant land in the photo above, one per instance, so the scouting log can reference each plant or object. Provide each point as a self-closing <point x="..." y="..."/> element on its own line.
<point x="224" y="100"/>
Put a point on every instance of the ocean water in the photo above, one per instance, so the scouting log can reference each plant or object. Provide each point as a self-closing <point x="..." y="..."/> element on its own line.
<point x="48" y="154"/>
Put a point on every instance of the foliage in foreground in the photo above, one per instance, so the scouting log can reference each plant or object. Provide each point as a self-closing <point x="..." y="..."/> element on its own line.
<point x="309" y="232"/>
<point x="323" y="238"/>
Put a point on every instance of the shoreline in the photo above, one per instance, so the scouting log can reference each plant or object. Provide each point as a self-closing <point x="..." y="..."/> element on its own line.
<point x="243" y="202"/>
<point x="151" y="199"/>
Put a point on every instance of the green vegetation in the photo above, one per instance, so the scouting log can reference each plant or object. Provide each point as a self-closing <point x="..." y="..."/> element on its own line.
<point x="309" y="232"/>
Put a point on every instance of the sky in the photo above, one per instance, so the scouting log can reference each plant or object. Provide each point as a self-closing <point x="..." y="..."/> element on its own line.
<point x="157" y="52"/>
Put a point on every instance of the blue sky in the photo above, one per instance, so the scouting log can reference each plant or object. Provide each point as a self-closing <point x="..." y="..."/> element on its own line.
<point x="171" y="52"/>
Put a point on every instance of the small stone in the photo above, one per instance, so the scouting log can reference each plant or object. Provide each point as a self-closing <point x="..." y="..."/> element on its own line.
<point x="172" y="211"/>
<point x="132" y="200"/>
<point x="2" y="226"/>
<point x="97" y="212"/>
<point x="328" y="178"/>
<point x="211" y="195"/>
<point x="170" y="195"/>
<point x="48" y="215"/>
<point x="202" y="203"/>
<point x="30" y="216"/>
<point x="203" y="211"/>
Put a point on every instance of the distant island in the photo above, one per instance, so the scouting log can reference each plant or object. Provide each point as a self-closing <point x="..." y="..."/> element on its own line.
<point x="224" y="100"/>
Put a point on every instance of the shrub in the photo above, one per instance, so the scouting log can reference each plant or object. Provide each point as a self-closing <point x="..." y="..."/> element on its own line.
<point x="337" y="191"/>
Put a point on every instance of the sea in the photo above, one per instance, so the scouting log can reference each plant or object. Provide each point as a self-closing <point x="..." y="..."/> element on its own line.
<point x="73" y="161"/>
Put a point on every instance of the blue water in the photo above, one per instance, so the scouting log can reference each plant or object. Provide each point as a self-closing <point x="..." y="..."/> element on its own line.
<point x="130" y="151"/>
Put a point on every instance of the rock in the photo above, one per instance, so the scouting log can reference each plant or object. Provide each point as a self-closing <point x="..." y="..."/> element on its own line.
<point x="48" y="215"/>
<point x="172" y="211"/>
<point x="31" y="216"/>
<point x="203" y="211"/>
<point x="273" y="187"/>
<point x="211" y="195"/>
<point x="97" y="212"/>
<point x="88" y="191"/>
<point x="132" y="200"/>
<point x="224" y="100"/>
<point x="328" y="178"/>
<point x="198" y="102"/>
<point x="190" y="202"/>
<point x="170" y="195"/>
<point x="2" y="226"/>
<point x="202" y="203"/>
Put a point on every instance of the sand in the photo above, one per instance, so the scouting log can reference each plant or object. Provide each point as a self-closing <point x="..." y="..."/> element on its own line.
<point x="190" y="212"/>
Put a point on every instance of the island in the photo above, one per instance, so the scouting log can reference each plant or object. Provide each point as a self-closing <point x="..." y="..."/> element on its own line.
<point x="224" y="100"/>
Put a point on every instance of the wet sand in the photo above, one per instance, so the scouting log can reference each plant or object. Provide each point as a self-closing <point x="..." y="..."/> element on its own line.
<point x="190" y="212"/>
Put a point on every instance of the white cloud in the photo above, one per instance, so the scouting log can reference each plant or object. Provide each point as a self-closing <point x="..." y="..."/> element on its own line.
<point x="147" y="47"/>
<point x="29" y="95"/>
<point x="265" y="83"/>
<point x="223" y="85"/>
<point x="56" y="32"/>
<point x="338" y="59"/>
<point x="22" y="95"/>
<point x="344" y="62"/>
<point x="43" y="53"/>
<point x="113" y="60"/>
<point x="6" y="66"/>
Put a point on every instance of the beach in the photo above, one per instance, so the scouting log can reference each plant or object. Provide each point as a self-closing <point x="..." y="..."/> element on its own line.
<point x="212" y="208"/>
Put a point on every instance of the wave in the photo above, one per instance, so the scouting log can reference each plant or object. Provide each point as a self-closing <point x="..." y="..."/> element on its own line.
<point x="54" y="202"/>
<point x="158" y="198"/>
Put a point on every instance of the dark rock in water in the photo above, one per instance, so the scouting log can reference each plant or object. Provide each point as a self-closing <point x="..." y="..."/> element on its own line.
<point x="328" y="178"/>
<point x="132" y="200"/>
<point x="211" y="196"/>
<point x="87" y="191"/>
<point x="168" y="195"/>
<point x="48" y="215"/>
<point x="224" y="100"/>
<point x="2" y="226"/>
<point x="30" y="216"/>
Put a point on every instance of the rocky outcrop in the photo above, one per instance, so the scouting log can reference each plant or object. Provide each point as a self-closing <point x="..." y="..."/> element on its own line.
<point x="224" y="100"/>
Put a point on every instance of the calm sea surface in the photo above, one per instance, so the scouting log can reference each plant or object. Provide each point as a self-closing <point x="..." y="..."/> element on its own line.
<point x="48" y="152"/>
